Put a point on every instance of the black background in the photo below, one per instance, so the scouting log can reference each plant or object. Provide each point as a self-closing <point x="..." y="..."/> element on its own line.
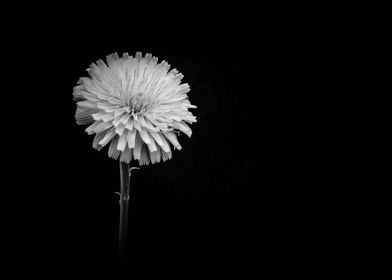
<point x="252" y="183"/>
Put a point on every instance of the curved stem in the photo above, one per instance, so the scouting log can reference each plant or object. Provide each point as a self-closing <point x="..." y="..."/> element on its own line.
<point x="124" y="205"/>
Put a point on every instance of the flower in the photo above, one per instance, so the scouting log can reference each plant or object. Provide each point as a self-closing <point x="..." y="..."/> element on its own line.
<point x="134" y="105"/>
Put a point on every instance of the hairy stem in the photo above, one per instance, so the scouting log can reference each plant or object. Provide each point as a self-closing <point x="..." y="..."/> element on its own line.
<point x="124" y="205"/>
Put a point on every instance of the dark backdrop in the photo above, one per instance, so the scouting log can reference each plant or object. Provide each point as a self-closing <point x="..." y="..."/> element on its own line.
<point x="251" y="181"/>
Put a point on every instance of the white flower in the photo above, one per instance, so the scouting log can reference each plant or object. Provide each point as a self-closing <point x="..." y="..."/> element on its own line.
<point x="135" y="106"/>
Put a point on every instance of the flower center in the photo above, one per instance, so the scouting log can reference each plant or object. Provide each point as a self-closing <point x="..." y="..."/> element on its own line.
<point x="138" y="103"/>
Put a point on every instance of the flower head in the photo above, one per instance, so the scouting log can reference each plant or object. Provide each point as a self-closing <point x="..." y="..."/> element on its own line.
<point x="135" y="105"/>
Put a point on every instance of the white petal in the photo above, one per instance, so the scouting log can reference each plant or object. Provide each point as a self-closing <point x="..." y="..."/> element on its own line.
<point x="122" y="142"/>
<point x="87" y="104"/>
<point x="117" y="120"/>
<point x="125" y="119"/>
<point x="111" y="59"/>
<point x="160" y="125"/>
<point x="150" y="127"/>
<point x="129" y="124"/>
<point x="108" y="117"/>
<point x="166" y="146"/>
<point x="78" y="93"/>
<point x="138" y="56"/>
<point x="142" y="121"/>
<point x="145" y="157"/>
<point x="115" y="100"/>
<point x="151" y="146"/>
<point x="190" y="118"/>
<point x="104" y="71"/>
<point x="102" y="127"/>
<point x="120" y="129"/>
<point x="84" y="115"/>
<point x="119" y="112"/>
<point x="126" y="156"/>
<point x="136" y="124"/>
<point x="144" y="135"/>
<point x="97" y="139"/>
<point x="183" y="127"/>
<point x="190" y="106"/>
<point x="112" y="151"/>
<point x="138" y="147"/>
<point x="173" y="139"/>
<point x="107" y="107"/>
<point x="157" y="137"/>
<point x="99" y="116"/>
<point x="90" y="129"/>
<point x="155" y="157"/>
<point x="94" y="72"/>
<point x="108" y="136"/>
<point x="166" y="156"/>
<point x="183" y="88"/>
<point x="131" y="138"/>
<point x="148" y="57"/>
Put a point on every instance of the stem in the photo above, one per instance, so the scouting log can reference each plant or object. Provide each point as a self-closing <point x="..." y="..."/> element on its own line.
<point x="124" y="205"/>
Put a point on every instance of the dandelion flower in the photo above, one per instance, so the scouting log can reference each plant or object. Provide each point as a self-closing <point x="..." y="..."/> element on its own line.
<point x="135" y="106"/>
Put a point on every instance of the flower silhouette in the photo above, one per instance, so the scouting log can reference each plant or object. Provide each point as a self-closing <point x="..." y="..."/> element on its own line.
<point x="136" y="106"/>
